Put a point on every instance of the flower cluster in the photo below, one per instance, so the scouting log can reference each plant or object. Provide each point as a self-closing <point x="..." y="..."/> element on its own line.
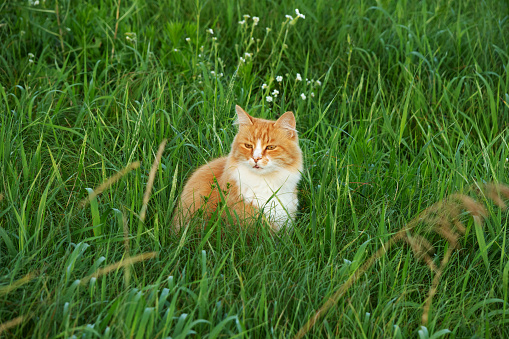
<point x="250" y="44"/>
<point x="270" y="97"/>
<point x="246" y="17"/>
<point x="294" y="20"/>
<point x="35" y="2"/>
<point x="216" y="75"/>
<point x="131" y="37"/>
<point x="299" y="15"/>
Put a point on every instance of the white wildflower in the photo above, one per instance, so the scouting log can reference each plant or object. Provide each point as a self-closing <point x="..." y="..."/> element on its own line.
<point x="131" y="37"/>
<point x="268" y="29"/>
<point x="303" y="96"/>
<point x="242" y="22"/>
<point x="175" y="50"/>
<point x="30" y="61"/>
<point x="299" y="15"/>
<point x="279" y="78"/>
<point x="246" y="16"/>
<point x="288" y="17"/>
<point x="312" y="94"/>
<point x="214" y="38"/>
<point x="247" y="55"/>
<point x="188" y="39"/>
<point x="31" y="55"/>
<point x="275" y="93"/>
<point x="255" y="20"/>
<point x="22" y="33"/>
<point x="68" y="29"/>
<point x="242" y="60"/>
<point x="298" y="78"/>
<point x="199" y="55"/>
<point x="318" y="82"/>
<point x="212" y="72"/>
<point x="210" y="31"/>
<point x="221" y="74"/>
<point x="268" y="98"/>
<point x="264" y="86"/>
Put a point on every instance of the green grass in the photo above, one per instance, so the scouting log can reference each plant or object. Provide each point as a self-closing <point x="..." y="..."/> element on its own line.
<point x="413" y="106"/>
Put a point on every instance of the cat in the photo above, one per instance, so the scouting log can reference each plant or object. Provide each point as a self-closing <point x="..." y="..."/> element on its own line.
<point x="260" y="175"/>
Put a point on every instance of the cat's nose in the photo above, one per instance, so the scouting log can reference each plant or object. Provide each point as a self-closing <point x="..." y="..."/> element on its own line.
<point x="256" y="159"/>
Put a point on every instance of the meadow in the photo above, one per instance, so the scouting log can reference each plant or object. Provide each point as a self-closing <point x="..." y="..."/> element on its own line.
<point x="399" y="105"/>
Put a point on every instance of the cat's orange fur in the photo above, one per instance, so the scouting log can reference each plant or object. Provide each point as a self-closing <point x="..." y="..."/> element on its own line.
<point x="259" y="175"/>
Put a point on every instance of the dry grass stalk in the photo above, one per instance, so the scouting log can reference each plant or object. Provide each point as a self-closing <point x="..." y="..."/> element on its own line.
<point x="12" y="323"/>
<point x="343" y="288"/>
<point x="117" y="265"/>
<point x="110" y="181"/>
<point x="151" y="177"/>
<point x="61" y="34"/>
<point x="421" y="250"/>
<point x="443" y="218"/>
<point x="127" y="250"/>
<point x="125" y="229"/>
<point x="1" y="197"/>
<point x="6" y="289"/>
<point x="496" y="192"/>
<point x="116" y="30"/>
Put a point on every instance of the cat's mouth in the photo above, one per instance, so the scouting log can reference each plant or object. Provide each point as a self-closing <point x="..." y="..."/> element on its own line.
<point x="256" y="166"/>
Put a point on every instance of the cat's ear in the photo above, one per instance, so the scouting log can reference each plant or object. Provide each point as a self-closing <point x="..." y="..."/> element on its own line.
<point x="287" y="121"/>
<point x="242" y="117"/>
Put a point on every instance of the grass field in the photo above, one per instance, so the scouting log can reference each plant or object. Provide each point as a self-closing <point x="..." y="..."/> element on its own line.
<point x="400" y="104"/>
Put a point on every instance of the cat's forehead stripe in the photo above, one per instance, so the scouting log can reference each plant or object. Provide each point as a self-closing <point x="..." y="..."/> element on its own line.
<point x="261" y="130"/>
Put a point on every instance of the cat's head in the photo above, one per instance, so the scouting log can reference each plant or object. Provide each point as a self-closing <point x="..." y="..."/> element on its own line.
<point x="265" y="146"/>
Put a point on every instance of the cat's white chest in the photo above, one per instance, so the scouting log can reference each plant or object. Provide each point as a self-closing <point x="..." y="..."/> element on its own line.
<point x="274" y="193"/>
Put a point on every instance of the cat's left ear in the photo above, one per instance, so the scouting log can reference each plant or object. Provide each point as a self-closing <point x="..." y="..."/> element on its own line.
<point x="287" y="121"/>
<point x="242" y="117"/>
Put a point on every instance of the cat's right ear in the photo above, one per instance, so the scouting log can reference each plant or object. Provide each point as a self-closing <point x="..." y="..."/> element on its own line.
<point x="242" y="117"/>
<point x="287" y="122"/>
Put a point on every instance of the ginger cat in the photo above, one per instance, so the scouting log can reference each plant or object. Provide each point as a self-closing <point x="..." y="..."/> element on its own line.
<point x="260" y="174"/>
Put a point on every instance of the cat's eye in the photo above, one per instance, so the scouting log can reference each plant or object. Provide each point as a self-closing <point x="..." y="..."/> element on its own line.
<point x="270" y="147"/>
<point x="248" y="146"/>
